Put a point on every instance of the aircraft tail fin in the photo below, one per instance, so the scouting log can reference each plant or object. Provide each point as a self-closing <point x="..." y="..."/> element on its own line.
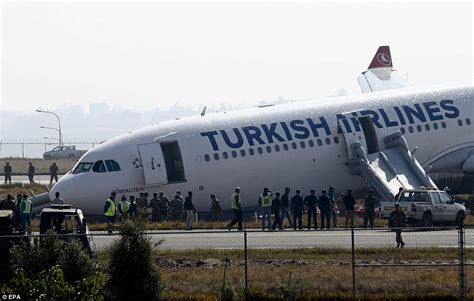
<point x="380" y="76"/>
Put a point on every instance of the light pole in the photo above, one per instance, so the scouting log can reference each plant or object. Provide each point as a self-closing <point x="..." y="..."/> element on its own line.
<point x="59" y="122"/>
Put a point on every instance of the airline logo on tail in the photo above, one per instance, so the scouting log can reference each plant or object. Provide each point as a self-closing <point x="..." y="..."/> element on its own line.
<point x="382" y="58"/>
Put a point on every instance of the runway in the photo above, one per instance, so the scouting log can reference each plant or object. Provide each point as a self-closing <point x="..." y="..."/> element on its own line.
<point x="289" y="239"/>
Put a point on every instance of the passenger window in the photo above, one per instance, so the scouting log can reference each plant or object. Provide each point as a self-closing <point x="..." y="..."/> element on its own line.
<point x="311" y="143"/>
<point x="260" y="150"/>
<point x="402" y="130"/>
<point x="294" y="146"/>
<point x="112" y="165"/>
<point x="443" y="124"/>
<point x="445" y="199"/>
<point x="436" y="198"/>
<point x="336" y="139"/>
<point x="320" y="142"/>
<point x="216" y="156"/>
<point x="277" y="148"/>
<point x="435" y="126"/>
<point x="328" y="141"/>
<point x="302" y="144"/>
<point x="269" y="149"/>
<point x="468" y="121"/>
<point x="242" y="153"/>
<point x="207" y="158"/>
<point x="251" y="152"/>
<point x="427" y="127"/>
<point x="410" y="129"/>
<point x="225" y="155"/>
<point x="285" y="146"/>
<point x="99" y="166"/>
<point x="234" y="154"/>
<point x="459" y="122"/>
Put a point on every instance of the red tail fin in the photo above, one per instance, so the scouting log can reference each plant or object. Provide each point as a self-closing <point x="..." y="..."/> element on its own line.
<point x="382" y="58"/>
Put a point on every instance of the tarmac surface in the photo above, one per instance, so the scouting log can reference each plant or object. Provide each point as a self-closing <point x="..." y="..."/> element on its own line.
<point x="290" y="239"/>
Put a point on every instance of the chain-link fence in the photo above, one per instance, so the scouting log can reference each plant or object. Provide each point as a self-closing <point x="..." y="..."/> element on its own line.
<point x="357" y="263"/>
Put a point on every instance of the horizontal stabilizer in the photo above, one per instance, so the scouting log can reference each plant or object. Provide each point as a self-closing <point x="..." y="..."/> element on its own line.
<point x="379" y="76"/>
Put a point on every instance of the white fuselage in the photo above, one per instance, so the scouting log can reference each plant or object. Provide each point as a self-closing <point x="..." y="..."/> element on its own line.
<point x="315" y="155"/>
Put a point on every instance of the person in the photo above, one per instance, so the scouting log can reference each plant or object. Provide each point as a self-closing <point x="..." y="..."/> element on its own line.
<point x="7" y="169"/>
<point x="142" y="202"/>
<point x="325" y="209"/>
<point x="190" y="210"/>
<point x="285" y="204"/>
<point x="57" y="200"/>
<point x="123" y="207"/>
<point x="110" y="211"/>
<point x="397" y="196"/>
<point x="369" y="204"/>
<point x="236" y="205"/>
<point x="53" y="171"/>
<point x="297" y="208"/>
<point x="349" y="203"/>
<point x="133" y="210"/>
<point x="397" y="220"/>
<point x="265" y="203"/>
<point x="333" y="206"/>
<point x="25" y="214"/>
<point x="9" y="204"/>
<point x="164" y="204"/>
<point x="155" y="208"/>
<point x="176" y="206"/>
<point x="216" y="209"/>
<point x="31" y="172"/>
<point x="310" y="201"/>
<point x="277" y="208"/>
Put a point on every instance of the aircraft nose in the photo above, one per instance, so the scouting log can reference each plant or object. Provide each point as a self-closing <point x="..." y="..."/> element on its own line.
<point x="65" y="188"/>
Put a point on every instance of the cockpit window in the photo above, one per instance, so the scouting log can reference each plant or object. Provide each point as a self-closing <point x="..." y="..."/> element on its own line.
<point x="82" y="167"/>
<point x="112" y="165"/>
<point x="99" y="166"/>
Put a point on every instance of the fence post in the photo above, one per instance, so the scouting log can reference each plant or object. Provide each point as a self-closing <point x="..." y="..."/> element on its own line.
<point x="462" y="261"/>
<point x="245" y="265"/>
<point x="353" y="263"/>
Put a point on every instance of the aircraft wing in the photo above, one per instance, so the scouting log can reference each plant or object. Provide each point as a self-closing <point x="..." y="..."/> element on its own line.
<point x="380" y="76"/>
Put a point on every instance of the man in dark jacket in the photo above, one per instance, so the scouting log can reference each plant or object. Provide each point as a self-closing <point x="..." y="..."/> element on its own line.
<point x="285" y="203"/>
<point x="276" y="209"/>
<point x="310" y="202"/>
<point x="7" y="169"/>
<point x="53" y="171"/>
<point x="188" y="207"/>
<point x="396" y="220"/>
<point x="349" y="203"/>
<point x="297" y="208"/>
<point x="31" y="172"/>
<point x="369" y="204"/>
<point x="324" y="207"/>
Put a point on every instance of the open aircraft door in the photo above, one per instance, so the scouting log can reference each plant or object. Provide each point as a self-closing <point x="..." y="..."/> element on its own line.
<point x="153" y="163"/>
<point x="351" y="136"/>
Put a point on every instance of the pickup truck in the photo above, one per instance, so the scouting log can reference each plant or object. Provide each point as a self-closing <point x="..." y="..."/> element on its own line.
<point x="426" y="207"/>
<point x="69" y="223"/>
<point x="63" y="152"/>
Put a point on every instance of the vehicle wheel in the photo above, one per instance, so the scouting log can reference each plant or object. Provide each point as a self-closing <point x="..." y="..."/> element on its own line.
<point x="427" y="220"/>
<point x="47" y="157"/>
<point x="460" y="217"/>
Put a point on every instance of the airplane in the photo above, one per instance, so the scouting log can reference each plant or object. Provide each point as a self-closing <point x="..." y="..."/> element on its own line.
<point x="345" y="142"/>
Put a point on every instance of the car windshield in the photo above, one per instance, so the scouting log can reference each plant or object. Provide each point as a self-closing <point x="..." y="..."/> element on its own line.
<point x="82" y="167"/>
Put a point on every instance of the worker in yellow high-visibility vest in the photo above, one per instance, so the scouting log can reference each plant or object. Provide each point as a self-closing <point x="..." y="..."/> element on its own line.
<point x="236" y="204"/>
<point x="25" y="214"/>
<point x="110" y="211"/>
<point x="265" y="203"/>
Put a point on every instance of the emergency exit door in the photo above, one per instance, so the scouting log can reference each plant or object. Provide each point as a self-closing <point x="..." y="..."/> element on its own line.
<point x="153" y="162"/>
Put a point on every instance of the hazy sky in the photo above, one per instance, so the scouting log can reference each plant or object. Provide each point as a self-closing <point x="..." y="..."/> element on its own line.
<point x="155" y="54"/>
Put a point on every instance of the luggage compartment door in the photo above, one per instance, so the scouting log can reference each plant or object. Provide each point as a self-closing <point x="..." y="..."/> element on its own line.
<point x="153" y="162"/>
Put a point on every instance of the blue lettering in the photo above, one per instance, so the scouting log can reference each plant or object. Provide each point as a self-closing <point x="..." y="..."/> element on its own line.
<point x="400" y="115"/>
<point x="211" y="135"/>
<point x="287" y="131"/>
<point x="374" y="117"/>
<point x="432" y="110"/>
<point x="447" y="105"/>
<point x="301" y="131"/>
<point x="341" y="118"/>
<point x="418" y="113"/>
<point x="355" y="121"/>
<point x="386" y="119"/>
<point x="253" y="133"/>
<point x="315" y="126"/>
<point x="231" y="144"/>
<point x="270" y="133"/>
